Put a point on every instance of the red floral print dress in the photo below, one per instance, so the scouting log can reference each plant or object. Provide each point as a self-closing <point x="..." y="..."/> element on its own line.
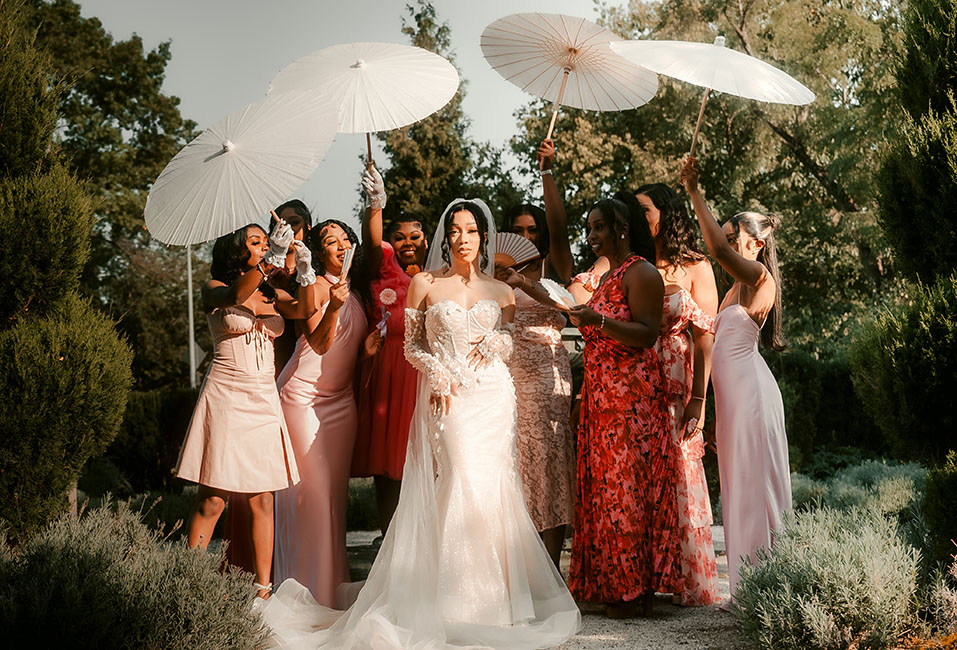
<point x="699" y="573"/>
<point x="626" y="537"/>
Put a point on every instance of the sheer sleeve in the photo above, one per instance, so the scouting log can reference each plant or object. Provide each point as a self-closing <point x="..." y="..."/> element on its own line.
<point x="498" y="343"/>
<point x="418" y="355"/>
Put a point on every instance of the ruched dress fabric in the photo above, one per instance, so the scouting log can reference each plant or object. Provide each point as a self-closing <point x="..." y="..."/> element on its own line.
<point x="237" y="438"/>
<point x="626" y="523"/>
<point x="320" y="409"/>
<point x="543" y="384"/>
<point x="751" y="439"/>
<point x="387" y="382"/>
<point x="462" y="565"/>
<point x="699" y="571"/>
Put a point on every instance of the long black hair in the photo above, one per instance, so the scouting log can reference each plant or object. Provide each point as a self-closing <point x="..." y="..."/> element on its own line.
<point x="677" y="239"/>
<point x="628" y="211"/>
<point x="541" y="224"/>
<point x="762" y="226"/>
<point x="231" y="259"/>
<point x="299" y="208"/>
<point x="358" y="273"/>
<point x="480" y="221"/>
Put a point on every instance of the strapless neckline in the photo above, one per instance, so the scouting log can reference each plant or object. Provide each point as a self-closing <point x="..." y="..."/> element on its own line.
<point x="465" y="309"/>
<point x="744" y="311"/>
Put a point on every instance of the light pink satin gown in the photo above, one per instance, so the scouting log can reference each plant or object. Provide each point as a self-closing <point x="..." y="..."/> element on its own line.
<point x="752" y="444"/>
<point x="320" y="410"/>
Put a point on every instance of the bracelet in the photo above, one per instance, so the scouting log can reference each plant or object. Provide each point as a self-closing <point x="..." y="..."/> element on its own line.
<point x="259" y="267"/>
<point x="545" y="172"/>
<point x="602" y="326"/>
<point x="696" y="397"/>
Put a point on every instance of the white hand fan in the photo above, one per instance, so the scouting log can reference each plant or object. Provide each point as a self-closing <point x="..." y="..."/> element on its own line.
<point x="346" y="264"/>
<point x="557" y="292"/>
<point x="513" y="250"/>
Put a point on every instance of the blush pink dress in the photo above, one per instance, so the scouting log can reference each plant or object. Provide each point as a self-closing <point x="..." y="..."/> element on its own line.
<point x="699" y="571"/>
<point x="320" y="409"/>
<point x="752" y="444"/>
<point x="237" y="438"/>
<point x="388" y="381"/>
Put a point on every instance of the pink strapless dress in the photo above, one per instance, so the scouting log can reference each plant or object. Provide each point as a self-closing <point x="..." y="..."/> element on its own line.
<point x="320" y="409"/>
<point x="752" y="443"/>
<point x="387" y="382"/>
<point x="698" y="582"/>
<point x="237" y="438"/>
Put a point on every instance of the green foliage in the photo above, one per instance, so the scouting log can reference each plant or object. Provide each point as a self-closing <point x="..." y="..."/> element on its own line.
<point x="434" y="160"/>
<point x="905" y="375"/>
<point x="822" y="411"/>
<point x="104" y="580"/>
<point x="46" y="217"/>
<point x="940" y="508"/>
<point x="64" y="385"/>
<point x="147" y="445"/>
<point x="835" y="579"/>
<point x="361" y="511"/>
<point x="27" y="101"/>
<point x="118" y="131"/>
<point x="813" y="165"/>
<point x="918" y="193"/>
<point x="928" y="71"/>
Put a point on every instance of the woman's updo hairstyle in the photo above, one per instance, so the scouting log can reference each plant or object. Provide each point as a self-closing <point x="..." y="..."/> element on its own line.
<point x="762" y="227"/>
<point x="480" y="221"/>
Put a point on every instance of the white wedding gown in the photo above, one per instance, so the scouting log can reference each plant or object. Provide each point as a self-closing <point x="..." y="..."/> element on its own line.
<point x="461" y="565"/>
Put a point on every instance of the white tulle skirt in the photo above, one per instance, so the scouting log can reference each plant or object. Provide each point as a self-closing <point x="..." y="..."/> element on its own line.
<point x="462" y="565"/>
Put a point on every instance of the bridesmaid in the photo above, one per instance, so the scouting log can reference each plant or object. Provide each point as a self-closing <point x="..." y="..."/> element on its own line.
<point x="684" y="347"/>
<point x="318" y="402"/>
<point x="387" y="383"/>
<point x="540" y="367"/>
<point x="237" y="440"/>
<point x="625" y="513"/>
<point x="751" y="439"/>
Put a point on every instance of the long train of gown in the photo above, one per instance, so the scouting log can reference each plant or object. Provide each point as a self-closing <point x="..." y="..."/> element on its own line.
<point x="751" y="439"/>
<point x="462" y="564"/>
<point x="320" y="411"/>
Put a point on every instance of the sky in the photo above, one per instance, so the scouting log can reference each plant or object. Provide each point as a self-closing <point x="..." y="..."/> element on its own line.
<point x="225" y="52"/>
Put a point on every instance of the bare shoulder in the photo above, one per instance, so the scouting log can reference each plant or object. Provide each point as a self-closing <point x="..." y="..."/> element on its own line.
<point x="213" y="284"/>
<point x="419" y="289"/>
<point x="643" y="272"/>
<point x="502" y="292"/>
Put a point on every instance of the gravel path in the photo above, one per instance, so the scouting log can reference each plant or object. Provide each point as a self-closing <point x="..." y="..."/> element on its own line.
<point x="671" y="627"/>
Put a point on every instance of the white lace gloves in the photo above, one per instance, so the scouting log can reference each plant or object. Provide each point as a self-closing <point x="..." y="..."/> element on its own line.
<point x="375" y="189"/>
<point x="305" y="275"/>
<point x="497" y="344"/>
<point x="280" y="239"/>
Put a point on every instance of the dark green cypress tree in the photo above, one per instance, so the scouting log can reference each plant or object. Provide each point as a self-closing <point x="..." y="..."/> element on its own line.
<point x="65" y="370"/>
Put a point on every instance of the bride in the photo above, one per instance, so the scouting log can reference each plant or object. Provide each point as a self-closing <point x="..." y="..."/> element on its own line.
<point x="461" y="564"/>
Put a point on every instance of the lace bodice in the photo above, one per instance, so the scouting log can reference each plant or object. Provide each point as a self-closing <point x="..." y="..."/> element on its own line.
<point x="439" y="340"/>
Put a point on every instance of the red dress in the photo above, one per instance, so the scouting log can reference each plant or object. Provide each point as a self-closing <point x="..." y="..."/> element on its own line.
<point x="387" y="383"/>
<point x="626" y="536"/>
<point x="675" y="348"/>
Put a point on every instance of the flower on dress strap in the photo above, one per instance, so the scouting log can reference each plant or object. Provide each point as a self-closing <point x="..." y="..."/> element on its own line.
<point x="387" y="296"/>
<point x="412" y="269"/>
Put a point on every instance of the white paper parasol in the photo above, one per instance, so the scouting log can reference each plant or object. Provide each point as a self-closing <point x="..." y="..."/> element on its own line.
<point x="716" y="67"/>
<point x="377" y="86"/>
<point x="233" y="173"/>
<point x="566" y="60"/>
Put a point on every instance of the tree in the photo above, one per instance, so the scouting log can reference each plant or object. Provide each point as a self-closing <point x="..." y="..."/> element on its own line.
<point x="918" y="177"/>
<point x="118" y="131"/>
<point x="812" y="164"/>
<point x="66" y="372"/>
<point x="434" y="160"/>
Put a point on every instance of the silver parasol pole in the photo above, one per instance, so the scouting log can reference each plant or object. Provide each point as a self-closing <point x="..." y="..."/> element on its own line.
<point x="189" y="311"/>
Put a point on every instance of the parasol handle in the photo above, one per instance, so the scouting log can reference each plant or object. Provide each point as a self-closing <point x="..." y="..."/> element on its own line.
<point x="369" y="150"/>
<point x="697" y="127"/>
<point x="275" y="217"/>
<point x="558" y="103"/>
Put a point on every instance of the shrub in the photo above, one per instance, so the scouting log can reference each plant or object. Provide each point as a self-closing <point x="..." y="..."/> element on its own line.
<point x="64" y="385"/>
<point x="905" y="375"/>
<point x="834" y="579"/>
<point x="940" y="508"/>
<point x="147" y="445"/>
<point x="104" y="580"/>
